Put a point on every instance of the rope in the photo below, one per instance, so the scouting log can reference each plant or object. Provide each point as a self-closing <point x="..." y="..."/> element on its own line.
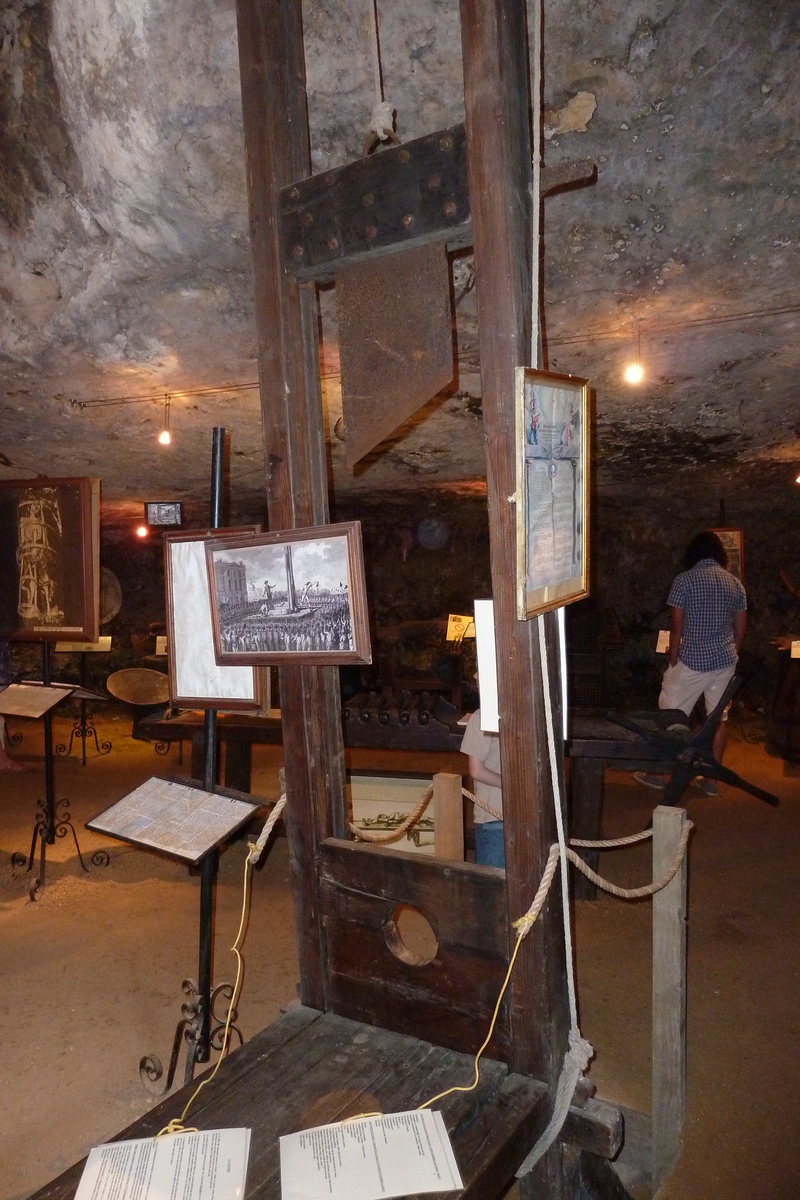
<point x="523" y="927"/>
<point x="394" y="835"/>
<point x="484" y="804"/>
<point x="579" y="1050"/>
<point x="636" y="893"/>
<point x="611" y="842"/>
<point x="382" y="120"/>
<point x="254" y="850"/>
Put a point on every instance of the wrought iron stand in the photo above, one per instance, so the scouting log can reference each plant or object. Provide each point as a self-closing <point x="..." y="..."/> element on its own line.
<point x="200" y="1026"/>
<point x="83" y="727"/>
<point x="53" y="818"/>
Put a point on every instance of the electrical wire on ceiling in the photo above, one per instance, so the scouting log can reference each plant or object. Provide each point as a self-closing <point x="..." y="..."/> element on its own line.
<point x="590" y="335"/>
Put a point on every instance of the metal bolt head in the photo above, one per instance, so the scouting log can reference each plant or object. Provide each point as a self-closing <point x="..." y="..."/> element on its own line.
<point x="330" y="179"/>
<point x="434" y="181"/>
<point x="307" y="218"/>
<point x="370" y="232"/>
<point x="449" y="208"/>
<point x="408" y="220"/>
<point x="446" y="142"/>
<point x="297" y="252"/>
<point x="333" y="243"/>
<point x="368" y="200"/>
<point x="294" y="194"/>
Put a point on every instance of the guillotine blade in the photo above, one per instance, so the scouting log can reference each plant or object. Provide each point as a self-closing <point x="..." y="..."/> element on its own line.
<point x="395" y="341"/>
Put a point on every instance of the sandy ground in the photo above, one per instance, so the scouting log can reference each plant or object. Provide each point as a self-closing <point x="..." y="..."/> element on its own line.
<point x="92" y="970"/>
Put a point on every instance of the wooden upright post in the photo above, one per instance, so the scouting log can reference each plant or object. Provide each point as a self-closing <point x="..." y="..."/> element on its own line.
<point x="669" y="994"/>
<point x="277" y="153"/>
<point x="494" y="48"/>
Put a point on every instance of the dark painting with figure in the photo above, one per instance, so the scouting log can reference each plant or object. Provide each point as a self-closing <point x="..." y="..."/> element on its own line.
<point x="297" y="594"/>
<point x="48" y="567"/>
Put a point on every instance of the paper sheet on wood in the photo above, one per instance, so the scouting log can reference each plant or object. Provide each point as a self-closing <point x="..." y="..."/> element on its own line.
<point x="171" y="817"/>
<point x="211" y="1165"/>
<point x="31" y="699"/>
<point x="397" y="1155"/>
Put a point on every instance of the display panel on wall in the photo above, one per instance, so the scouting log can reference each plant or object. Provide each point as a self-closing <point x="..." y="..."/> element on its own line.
<point x="733" y="541"/>
<point x="297" y="595"/>
<point x="552" y="495"/>
<point x="196" y="680"/>
<point x="50" y="559"/>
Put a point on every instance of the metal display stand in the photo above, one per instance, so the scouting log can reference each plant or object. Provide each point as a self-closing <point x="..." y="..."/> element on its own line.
<point x="200" y="1026"/>
<point x="53" y="818"/>
<point x="83" y="727"/>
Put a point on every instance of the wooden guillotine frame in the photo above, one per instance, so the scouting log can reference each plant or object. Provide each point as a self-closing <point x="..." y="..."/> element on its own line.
<point x="338" y="883"/>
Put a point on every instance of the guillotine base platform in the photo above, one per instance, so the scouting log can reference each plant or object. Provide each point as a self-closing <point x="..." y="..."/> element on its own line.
<point x="310" y="1069"/>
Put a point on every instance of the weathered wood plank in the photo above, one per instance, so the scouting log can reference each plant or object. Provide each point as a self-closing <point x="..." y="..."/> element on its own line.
<point x="494" y="45"/>
<point x="448" y="805"/>
<point x="464" y="903"/>
<point x="669" y="994"/>
<point x="275" y="126"/>
<point x="598" y="1127"/>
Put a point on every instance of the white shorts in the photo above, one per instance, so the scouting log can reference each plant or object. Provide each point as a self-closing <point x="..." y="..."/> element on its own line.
<point x="682" y="687"/>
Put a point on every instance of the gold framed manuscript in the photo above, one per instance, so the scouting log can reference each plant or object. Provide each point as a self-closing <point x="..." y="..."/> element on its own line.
<point x="552" y="490"/>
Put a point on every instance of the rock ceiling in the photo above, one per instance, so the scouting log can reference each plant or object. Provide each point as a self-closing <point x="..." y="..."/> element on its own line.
<point x="125" y="264"/>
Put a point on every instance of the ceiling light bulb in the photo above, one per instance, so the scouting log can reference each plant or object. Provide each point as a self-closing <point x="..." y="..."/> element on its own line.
<point x="142" y="531"/>
<point x="634" y="373"/>
<point x="798" y="479"/>
<point x="164" y="437"/>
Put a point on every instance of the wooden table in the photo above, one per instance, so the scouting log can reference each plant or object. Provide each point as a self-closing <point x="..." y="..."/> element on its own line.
<point x="595" y="741"/>
<point x="241" y="732"/>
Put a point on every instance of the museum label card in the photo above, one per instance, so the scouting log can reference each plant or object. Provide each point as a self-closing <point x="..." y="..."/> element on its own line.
<point x="402" y="1154"/>
<point x="174" y="818"/>
<point x="31" y="699"/>
<point x="662" y="645"/>
<point x="101" y="646"/>
<point x="487" y="665"/>
<point x="795" y="650"/>
<point x="211" y="1165"/>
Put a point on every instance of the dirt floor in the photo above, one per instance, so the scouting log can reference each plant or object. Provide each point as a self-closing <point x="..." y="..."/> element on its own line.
<point x="92" y="970"/>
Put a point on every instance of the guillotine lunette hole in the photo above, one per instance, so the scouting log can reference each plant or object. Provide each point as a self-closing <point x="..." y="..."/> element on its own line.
<point x="410" y="937"/>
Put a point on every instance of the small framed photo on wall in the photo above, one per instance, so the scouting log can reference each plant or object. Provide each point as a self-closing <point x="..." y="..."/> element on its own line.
<point x="733" y="542"/>
<point x="297" y="595"/>
<point x="552" y="493"/>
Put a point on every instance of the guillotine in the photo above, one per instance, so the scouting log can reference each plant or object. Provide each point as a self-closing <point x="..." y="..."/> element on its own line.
<point x="342" y="888"/>
<point x="375" y="1028"/>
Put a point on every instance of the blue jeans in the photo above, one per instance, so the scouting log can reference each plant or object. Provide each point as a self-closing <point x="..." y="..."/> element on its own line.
<point x="490" y="849"/>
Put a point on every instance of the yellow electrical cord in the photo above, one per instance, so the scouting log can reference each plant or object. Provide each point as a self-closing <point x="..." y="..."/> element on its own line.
<point x="176" y="1124"/>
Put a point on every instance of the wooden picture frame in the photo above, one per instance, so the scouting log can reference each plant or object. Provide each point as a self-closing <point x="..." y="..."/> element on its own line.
<point x="552" y="490"/>
<point x="50" y="559"/>
<point x="196" y="680"/>
<point x="266" y="609"/>
<point x="733" y="541"/>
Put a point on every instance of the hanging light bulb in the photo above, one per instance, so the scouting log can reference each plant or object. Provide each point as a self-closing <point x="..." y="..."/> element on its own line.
<point x="634" y="372"/>
<point x="164" y="437"/>
<point x="142" y="531"/>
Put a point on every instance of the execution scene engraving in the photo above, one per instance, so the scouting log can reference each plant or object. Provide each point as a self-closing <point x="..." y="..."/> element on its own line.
<point x="40" y="530"/>
<point x="291" y="598"/>
<point x="553" y="484"/>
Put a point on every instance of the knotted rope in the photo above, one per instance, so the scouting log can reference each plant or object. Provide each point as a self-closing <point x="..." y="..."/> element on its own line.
<point x="394" y="835"/>
<point x="381" y="124"/>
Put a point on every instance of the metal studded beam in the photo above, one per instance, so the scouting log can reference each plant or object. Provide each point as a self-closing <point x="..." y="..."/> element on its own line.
<point x="405" y="196"/>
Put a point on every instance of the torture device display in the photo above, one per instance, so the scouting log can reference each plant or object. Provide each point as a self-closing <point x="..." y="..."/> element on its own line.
<point x="196" y="680"/>
<point x="50" y="559"/>
<point x="552" y="492"/>
<point x="294" y="595"/>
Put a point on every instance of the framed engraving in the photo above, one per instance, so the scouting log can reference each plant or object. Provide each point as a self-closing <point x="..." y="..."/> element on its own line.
<point x="297" y="595"/>
<point x="163" y="512"/>
<point x="733" y="541"/>
<point x="196" y="679"/>
<point x="50" y="559"/>
<point x="552" y="492"/>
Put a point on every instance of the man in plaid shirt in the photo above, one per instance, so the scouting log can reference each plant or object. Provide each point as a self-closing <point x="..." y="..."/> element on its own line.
<point x="709" y="616"/>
